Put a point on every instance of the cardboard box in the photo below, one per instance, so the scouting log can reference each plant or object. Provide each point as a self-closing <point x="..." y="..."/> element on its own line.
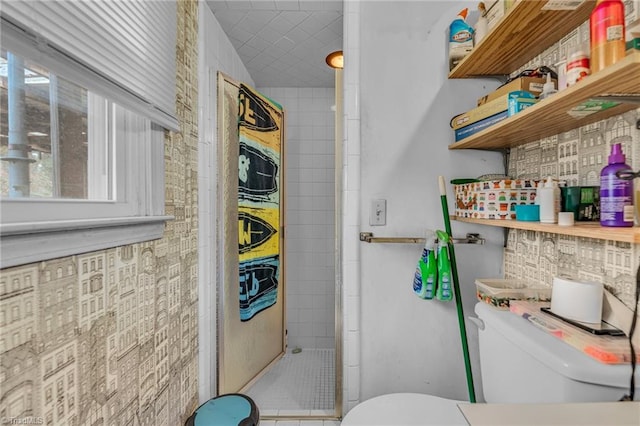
<point x="494" y="199"/>
<point x="528" y="84"/>
<point x="490" y="108"/>
<point x="514" y="102"/>
<point x="496" y="10"/>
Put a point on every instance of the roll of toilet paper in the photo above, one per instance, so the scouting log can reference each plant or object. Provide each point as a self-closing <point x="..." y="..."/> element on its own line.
<point x="577" y="300"/>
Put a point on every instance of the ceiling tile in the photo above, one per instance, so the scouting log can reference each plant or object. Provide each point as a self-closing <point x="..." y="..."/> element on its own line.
<point x="269" y="34"/>
<point x="239" y="4"/>
<point x="297" y="35"/>
<point x="283" y="43"/>
<point x="295" y="17"/>
<point x="240" y="34"/>
<point x="248" y="52"/>
<point x="280" y="23"/>
<point x="287" y="5"/>
<point x="326" y="35"/>
<point x="264" y="4"/>
<point x="258" y="43"/>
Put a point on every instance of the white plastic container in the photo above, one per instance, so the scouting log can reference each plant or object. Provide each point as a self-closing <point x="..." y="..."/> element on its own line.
<point x="498" y="292"/>
<point x="549" y="199"/>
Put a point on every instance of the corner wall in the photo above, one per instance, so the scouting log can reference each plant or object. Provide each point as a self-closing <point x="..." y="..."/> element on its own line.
<point x="398" y="104"/>
<point x="216" y="54"/>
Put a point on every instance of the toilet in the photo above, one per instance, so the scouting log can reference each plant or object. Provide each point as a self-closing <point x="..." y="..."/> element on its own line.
<point x="519" y="363"/>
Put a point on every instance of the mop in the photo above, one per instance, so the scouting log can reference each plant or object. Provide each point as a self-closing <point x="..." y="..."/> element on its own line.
<point x="456" y="290"/>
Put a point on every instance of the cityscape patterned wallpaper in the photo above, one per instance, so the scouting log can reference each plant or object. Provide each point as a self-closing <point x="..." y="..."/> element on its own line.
<point x="576" y="157"/>
<point x="110" y="337"/>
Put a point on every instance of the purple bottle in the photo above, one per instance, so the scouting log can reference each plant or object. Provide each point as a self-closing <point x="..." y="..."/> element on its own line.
<point x="616" y="195"/>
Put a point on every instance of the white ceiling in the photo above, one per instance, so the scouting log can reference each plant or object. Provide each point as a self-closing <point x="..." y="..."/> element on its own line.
<point x="283" y="43"/>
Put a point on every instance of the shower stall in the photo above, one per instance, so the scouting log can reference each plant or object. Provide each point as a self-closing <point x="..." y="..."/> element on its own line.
<point x="303" y="382"/>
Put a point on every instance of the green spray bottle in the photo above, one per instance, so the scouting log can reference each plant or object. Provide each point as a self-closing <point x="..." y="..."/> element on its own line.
<point x="425" y="279"/>
<point x="443" y="291"/>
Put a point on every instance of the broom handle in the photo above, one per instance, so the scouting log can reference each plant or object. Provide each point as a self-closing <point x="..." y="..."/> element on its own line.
<point x="456" y="291"/>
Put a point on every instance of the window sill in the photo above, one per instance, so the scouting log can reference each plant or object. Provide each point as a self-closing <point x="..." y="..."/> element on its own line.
<point x="22" y="243"/>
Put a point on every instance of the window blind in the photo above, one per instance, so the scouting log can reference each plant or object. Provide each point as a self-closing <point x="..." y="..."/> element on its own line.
<point x="130" y="47"/>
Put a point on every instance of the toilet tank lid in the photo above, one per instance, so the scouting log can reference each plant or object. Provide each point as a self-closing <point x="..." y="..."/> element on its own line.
<point x="553" y="352"/>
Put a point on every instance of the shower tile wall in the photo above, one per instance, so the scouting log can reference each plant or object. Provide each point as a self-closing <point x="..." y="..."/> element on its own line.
<point x="310" y="224"/>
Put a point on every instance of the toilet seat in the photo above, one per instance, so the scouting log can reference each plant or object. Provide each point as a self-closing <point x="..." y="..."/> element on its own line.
<point x="400" y="409"/>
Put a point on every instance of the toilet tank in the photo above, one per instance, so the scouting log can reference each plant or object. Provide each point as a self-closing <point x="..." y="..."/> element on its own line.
<point x="521" y="363"/>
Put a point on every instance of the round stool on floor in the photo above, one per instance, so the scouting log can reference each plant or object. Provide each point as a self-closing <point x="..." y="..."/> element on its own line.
<point x="231" y="409"/>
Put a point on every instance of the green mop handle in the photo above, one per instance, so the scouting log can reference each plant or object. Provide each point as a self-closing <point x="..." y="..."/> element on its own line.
<point x="456" y="290"/>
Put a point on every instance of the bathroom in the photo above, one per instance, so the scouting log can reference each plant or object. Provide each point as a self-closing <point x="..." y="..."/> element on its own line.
<point x="398" y="102"/>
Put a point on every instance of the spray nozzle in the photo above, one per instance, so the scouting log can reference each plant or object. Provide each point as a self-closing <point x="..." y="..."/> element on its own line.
<point x="430" y="240"/>
<point x="617" y="156"/>
<point x="443" y="237"/>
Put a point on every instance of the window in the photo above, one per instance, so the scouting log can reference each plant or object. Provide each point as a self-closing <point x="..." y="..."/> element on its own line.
<point x="86" y="168"/>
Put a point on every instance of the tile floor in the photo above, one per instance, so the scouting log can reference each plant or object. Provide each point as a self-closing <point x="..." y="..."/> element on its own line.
<point x="301" y="384"/>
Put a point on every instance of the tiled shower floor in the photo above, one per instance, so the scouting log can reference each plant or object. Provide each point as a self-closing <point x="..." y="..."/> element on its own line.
<point x="300" y="384"/>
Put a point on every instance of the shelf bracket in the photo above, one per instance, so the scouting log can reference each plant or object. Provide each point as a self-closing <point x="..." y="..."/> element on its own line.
<point x="368" y="237"/>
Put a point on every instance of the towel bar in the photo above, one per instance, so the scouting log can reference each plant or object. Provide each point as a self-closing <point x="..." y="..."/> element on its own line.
<point x="368" y="237"/>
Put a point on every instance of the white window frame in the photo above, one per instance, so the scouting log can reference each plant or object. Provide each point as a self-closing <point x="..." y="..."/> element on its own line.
<point x="33" y="230"/>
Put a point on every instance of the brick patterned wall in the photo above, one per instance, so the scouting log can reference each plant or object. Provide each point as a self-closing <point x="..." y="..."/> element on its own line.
<point x="110" y="337"/>
<point x="577" y="157"/>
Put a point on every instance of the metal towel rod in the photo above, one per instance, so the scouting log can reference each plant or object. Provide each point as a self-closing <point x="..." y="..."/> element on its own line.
<point x="368" y="237"/>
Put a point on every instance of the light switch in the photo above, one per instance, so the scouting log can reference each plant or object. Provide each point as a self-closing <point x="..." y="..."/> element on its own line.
<point x="378" y="213"/>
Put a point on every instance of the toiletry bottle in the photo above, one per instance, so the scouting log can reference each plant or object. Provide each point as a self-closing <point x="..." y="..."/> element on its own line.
<point x="606" y="25"/>
<point x="481" y="27"/>
<point x="460" y="39"/>
<point x="616" y="195"/>
<point x="548" y="88"/>
<point x="444" y="291"/>
<point x="549" y="198"/>
<point x="577" y="66"/>
<point x="425" y="279"/>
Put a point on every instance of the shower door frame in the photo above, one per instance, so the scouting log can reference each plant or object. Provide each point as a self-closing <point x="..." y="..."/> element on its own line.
<point x="225" y="248"/>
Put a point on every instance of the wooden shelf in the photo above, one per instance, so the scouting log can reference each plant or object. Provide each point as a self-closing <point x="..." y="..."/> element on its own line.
<point x="580" y="229"/>
<point x="523" y="32"/>
<point x="551" y="116"/>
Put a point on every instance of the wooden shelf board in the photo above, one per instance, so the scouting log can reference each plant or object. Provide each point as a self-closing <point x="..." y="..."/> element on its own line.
<point x="523" y="32"/>
<point x="550" y="116"/>
<point x="580" y="229"/>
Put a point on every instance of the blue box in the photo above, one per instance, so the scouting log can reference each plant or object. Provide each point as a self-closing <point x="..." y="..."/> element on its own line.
<point x="474" y="128"/>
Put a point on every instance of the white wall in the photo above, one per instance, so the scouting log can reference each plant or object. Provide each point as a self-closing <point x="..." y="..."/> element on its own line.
<point x="398" y="103"/>
<point x="216" y="53"/>
<point x="310" y="210"/>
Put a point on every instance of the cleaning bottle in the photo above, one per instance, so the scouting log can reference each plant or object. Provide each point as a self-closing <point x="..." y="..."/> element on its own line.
<point x="549" y="198"/>
<point x="481" y="27"/>
<point x="460" y="38"/>
<point x="444" y="292"/>
<point x="425" y="279"/>
<point x="606" y="25"/>
<point x="548" y="88"/>
<point x="616" y="195"/>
